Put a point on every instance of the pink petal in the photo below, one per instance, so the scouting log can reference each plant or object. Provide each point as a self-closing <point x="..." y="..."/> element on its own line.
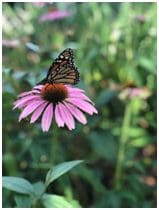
<point x="22" y="106"/>
<point x="54" y="15"/>
<point x="41" y="4"/>
<point x="47" y="117"/>
<point x="76" y="113"/>
<point x="38" y="87"/>
<point x="28" y="93"/>
<point x="24" y="103"/>
<point x="25" y="99"/>
<point x="15" y="102"/>
<point x="83" y="105"/>
<point x="29" y="109"/>
<point x="10" y="43"/>
<point x="71" y="89"/>
<point x="25" y="93"/>
<point x="66" y="116"/>
<point x="38" y="112"/>
<point x="80" y="95"/>
<point x="58" y="117"/>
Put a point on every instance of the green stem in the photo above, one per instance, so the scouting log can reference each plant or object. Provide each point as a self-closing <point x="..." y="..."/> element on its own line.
<point x="122" y="143"/>
<point x="53" y="153"/>
<point x="53" y="147"/>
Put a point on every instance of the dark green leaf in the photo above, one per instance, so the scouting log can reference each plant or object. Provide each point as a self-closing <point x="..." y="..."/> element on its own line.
<point x="23" y="201"/>
<point x="39" y="189"/>
<point x="60" y="169"/>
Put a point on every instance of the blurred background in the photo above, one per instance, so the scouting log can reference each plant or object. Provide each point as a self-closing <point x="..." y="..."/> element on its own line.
<point x="115" y="51"/>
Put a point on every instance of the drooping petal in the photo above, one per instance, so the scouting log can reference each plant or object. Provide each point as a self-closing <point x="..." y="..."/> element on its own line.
<point x="38" y="87"/>
<point x="28" y="93"/>
<point x="25" y="99"/>
<point x="47" y="117"/>
<point x="66" y="116"/>
<point x="79" y="95"/>
<point x="25" y="103"/>
<point x="25" y="93"/>
<point x="58" y="117"/>
<point x="76" y="113"/>
<point x="30" y="108"/>
<point x="83" y="105"/>
<point x="71" y="89"/>
<point x="36" y="114"/>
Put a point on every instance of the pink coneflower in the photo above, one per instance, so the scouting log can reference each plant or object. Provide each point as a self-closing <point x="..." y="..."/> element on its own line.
<point x="40" y="4"/>
<point x="142" y="92"/>
<point x="132" y="92"/>
<point x="62" y="102"/>
<point x="141" y="18"/>
<point x="54" y="15"/>
<point x="10" y="43"/>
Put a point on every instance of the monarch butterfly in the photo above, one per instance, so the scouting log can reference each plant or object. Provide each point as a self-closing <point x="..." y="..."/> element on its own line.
<point x="62" y="70"/>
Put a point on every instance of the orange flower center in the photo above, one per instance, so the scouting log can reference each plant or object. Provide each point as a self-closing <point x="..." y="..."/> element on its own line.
<point x="54" y="92"/>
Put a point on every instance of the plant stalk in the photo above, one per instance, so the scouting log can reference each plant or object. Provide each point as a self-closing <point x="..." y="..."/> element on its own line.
<point x="54" y="147"/>
<point x="122" y="144"/>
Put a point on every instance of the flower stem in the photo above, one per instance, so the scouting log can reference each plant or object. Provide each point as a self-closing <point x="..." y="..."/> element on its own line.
<point x="122" y="143"/>
<point x="53" y="147"/>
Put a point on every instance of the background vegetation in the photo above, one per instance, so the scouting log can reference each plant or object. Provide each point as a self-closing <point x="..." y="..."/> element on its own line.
<point x="115" y="51"/>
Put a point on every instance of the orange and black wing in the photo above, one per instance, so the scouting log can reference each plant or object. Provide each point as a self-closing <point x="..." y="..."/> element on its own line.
<point x="63" y="69"/>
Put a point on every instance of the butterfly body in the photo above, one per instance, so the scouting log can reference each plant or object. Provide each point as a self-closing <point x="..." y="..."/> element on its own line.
<point x="62" y="70"/>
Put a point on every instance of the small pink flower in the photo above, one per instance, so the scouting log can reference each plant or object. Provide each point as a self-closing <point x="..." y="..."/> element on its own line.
<point x="41" y="4"/>
<point x="10" y="43"/>
<point x="140" y="92"/>
<point x="133" y="92"/>
<point x="62" y="102"/>
<point x="54" y="15"/>
<point x="141" y="18"/>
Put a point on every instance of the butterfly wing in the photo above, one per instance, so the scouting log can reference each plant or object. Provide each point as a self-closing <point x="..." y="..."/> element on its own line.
<point x="63" y="69"/>
<point x="68" y="74"/>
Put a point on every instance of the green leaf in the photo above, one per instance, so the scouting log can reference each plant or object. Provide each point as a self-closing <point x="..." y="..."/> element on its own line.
<point x="139" y="142"/>
<point x="39" y="189"/>
<point x="136" y="132"/>
<point x="129" y="196"/>
<point x="147" y="64"/>
<point x="56" y="201"/>
<point x="22" y="201"/>
<point x="60" y="169"/>
<point x="17" y="184"/>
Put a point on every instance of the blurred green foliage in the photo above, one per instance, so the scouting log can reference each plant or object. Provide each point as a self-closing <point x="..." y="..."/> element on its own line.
<point x="35" y="194"/>
<point x="114" y="43"/>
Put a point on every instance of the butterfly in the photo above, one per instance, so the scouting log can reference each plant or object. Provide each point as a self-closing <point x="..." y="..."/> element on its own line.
<point x="63" y="70"/>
